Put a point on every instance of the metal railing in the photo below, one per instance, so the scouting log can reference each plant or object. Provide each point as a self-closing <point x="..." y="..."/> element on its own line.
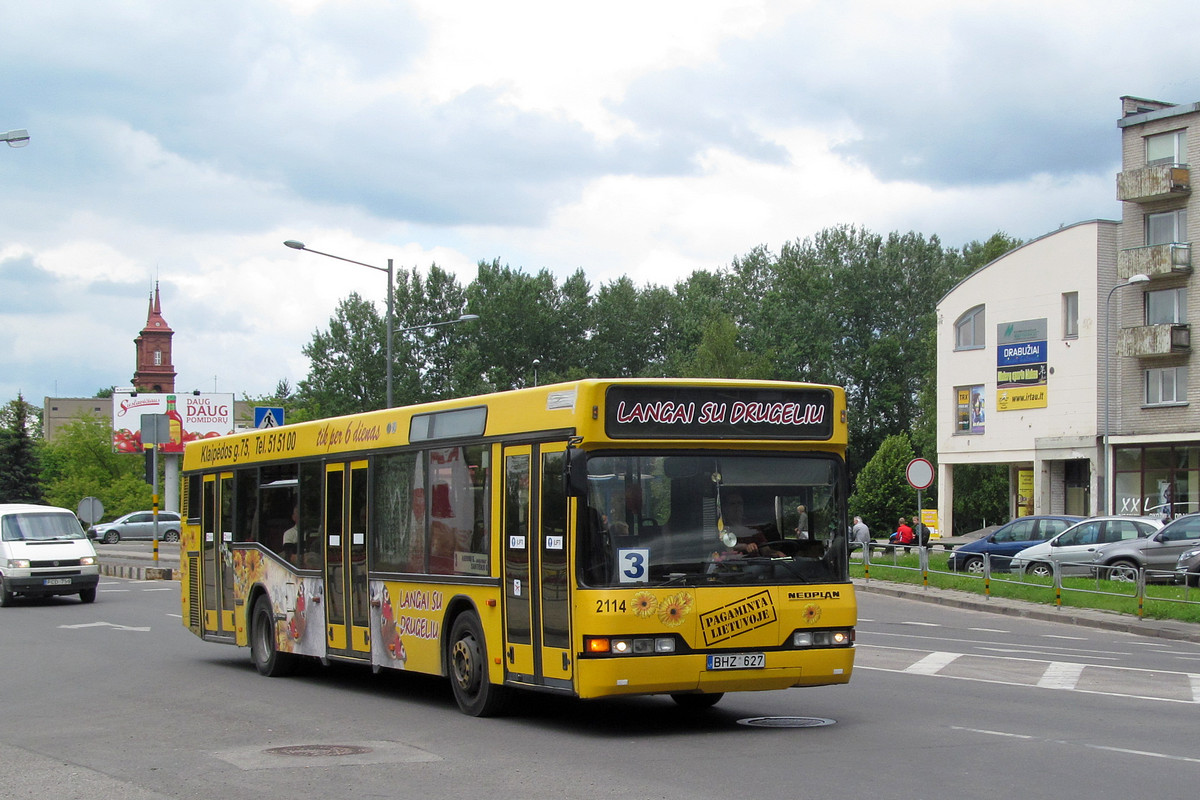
<point x="1120" y="581"/>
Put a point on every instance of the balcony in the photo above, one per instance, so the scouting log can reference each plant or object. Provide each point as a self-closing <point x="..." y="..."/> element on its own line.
<point x="1157" y="182"/>
<point x="1172" y="258"/>
<point x="1154" y="340"/>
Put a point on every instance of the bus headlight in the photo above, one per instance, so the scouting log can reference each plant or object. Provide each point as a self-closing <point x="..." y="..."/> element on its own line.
<point x="842" y="637"/>
<point x="628" y="646"/>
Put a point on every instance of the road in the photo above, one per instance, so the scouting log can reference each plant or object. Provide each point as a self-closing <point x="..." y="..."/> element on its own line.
<point x="117" y="700"/>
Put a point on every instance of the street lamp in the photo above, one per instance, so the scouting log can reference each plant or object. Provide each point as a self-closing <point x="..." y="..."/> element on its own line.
<point x="17" y="138"/>
<point x="1109" y="485"/>
<point x="461" y="318"/>
<point x="292" y="243"/>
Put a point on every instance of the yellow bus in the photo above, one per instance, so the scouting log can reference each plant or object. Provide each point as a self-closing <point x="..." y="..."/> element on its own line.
<point x="590" y="539"/>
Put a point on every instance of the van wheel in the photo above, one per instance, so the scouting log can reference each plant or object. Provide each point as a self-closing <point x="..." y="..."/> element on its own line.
<point x="474" y="692"/>
<point x="111" y="537"/>
<point x="263" y="650"/>
<point x="88" y="595"/>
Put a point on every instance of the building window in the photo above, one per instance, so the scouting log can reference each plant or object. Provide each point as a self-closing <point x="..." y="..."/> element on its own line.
<point x="1070" y="311"/>
<point x="1166" y="227"/>
<point x="1166" y="306"/>
<point x="968" y="331"/>
<point x="1166" y="148"/>
<point x="158" y="358"/>
<point x="1166" y="386"/>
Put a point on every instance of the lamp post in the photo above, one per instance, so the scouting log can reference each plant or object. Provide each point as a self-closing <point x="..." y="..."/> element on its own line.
<point x="292" y="243"/>
<point x="17" y="138"/>
<point x="1109" y="486"/>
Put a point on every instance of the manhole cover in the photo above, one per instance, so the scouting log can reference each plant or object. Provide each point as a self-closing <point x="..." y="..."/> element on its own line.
<point x="786" y="722"/>
<point x="318" y="750"/>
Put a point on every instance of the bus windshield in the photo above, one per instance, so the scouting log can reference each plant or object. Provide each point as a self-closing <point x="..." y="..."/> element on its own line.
<point x="659" y="519"/>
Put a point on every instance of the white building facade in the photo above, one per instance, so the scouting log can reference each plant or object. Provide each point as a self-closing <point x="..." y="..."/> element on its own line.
<point x="1020" y="344"/>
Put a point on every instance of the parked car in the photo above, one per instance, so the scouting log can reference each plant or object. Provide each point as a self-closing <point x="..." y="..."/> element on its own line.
<point x="1074" y="548"/>
<point x="137" y="525"/>
<point x="1187" y="569"/>
<point x="1008" y="540"/>
<point x="1158" y="552"/>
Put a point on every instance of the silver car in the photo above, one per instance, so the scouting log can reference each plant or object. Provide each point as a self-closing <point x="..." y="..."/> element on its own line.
<point x="1158" y="553"/>
<point x="1074" y="548"/>
<point x="137" y="525"/>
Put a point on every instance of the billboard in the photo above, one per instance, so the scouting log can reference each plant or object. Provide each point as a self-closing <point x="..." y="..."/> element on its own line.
<point x="192" y="416"/>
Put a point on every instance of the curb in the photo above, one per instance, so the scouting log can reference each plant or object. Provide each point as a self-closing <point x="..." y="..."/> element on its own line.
<point x="139" y="573"/>
<point x="1163" y="629"/>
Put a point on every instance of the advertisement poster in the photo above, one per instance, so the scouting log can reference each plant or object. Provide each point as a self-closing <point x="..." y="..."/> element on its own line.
<point x="1024" y="492"/>
<point x="191" y="416"/>
<point x="1021" y="365"/>
<point x="969" y="410"/>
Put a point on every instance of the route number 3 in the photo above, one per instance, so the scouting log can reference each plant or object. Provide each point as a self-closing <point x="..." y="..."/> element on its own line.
<point x="633" y="564"/>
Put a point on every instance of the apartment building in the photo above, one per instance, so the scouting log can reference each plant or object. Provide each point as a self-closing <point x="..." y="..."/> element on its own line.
<point x="1154" y="431"/>
<point x="1067" y="358"/>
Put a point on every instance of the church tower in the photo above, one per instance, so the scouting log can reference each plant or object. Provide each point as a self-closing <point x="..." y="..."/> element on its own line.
<point x="154" y="373"/>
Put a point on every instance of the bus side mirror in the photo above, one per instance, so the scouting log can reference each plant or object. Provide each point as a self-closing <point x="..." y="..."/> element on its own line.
<point x="576" y="472"/>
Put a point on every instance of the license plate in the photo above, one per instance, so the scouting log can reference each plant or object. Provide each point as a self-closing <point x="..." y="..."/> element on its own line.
<point x="737" y="661"/>
<point x="56" y="582"/>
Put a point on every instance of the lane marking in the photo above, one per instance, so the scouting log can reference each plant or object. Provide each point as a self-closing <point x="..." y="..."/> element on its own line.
<point x="1104" y="747"/>
<point x="983" y="643"/>
<point x="1061" y="675"/>
<point x="1071" y="638"/>
<point x="930" y="664"/>
<point x="106" y="625"/>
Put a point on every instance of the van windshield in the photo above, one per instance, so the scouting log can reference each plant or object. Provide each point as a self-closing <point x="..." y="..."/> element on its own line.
<point x="35" y="527"/>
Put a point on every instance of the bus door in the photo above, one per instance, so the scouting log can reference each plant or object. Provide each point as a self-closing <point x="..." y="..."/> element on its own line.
<point x="535" y="574"/>
<point x="216" y="527"/>
<point x="347" y="604"/>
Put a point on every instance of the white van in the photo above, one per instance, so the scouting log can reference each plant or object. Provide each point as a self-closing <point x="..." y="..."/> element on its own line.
<point x="44" y="551"/>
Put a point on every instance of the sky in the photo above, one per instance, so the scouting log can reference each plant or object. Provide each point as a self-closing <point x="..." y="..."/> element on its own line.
<point x="182" y="144"/>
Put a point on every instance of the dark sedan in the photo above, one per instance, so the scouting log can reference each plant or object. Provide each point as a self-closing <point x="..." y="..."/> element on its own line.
<point x="1008" y="540"/>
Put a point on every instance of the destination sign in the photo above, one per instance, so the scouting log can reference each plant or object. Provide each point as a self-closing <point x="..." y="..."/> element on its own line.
<point x="703" y="412"/>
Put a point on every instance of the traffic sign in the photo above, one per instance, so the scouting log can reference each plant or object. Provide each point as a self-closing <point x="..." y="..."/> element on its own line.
<point x="919" y="473"/>
<point x="268" y="416"/>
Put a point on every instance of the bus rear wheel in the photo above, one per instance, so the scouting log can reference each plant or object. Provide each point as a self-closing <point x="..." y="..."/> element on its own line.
<point x="263" y="650"/>
<point x="475" y="694"/>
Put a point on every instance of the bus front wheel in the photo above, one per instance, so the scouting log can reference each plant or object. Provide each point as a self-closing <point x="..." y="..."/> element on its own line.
<point x="475" y="693"/>
<point x="697" y="702"/>
<point x="263" y="650"/>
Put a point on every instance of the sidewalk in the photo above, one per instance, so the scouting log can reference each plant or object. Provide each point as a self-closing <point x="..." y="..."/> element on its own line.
<point x="1085" y="617"/>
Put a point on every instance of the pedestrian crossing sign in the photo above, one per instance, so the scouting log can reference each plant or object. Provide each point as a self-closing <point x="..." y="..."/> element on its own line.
<point x="268" y="416"/>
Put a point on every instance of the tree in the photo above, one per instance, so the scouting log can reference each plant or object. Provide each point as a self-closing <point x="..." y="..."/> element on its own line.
<point x="719" y="356"/>
<point x="348" y="366"/>
<point x="981" y="496"/>
<point x="81" y="463"/>
<point x="882" y="493"/>
<point x="19" y="466"/>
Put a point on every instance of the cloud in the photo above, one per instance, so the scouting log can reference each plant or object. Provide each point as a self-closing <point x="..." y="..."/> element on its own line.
<point x="636" y="139"/>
